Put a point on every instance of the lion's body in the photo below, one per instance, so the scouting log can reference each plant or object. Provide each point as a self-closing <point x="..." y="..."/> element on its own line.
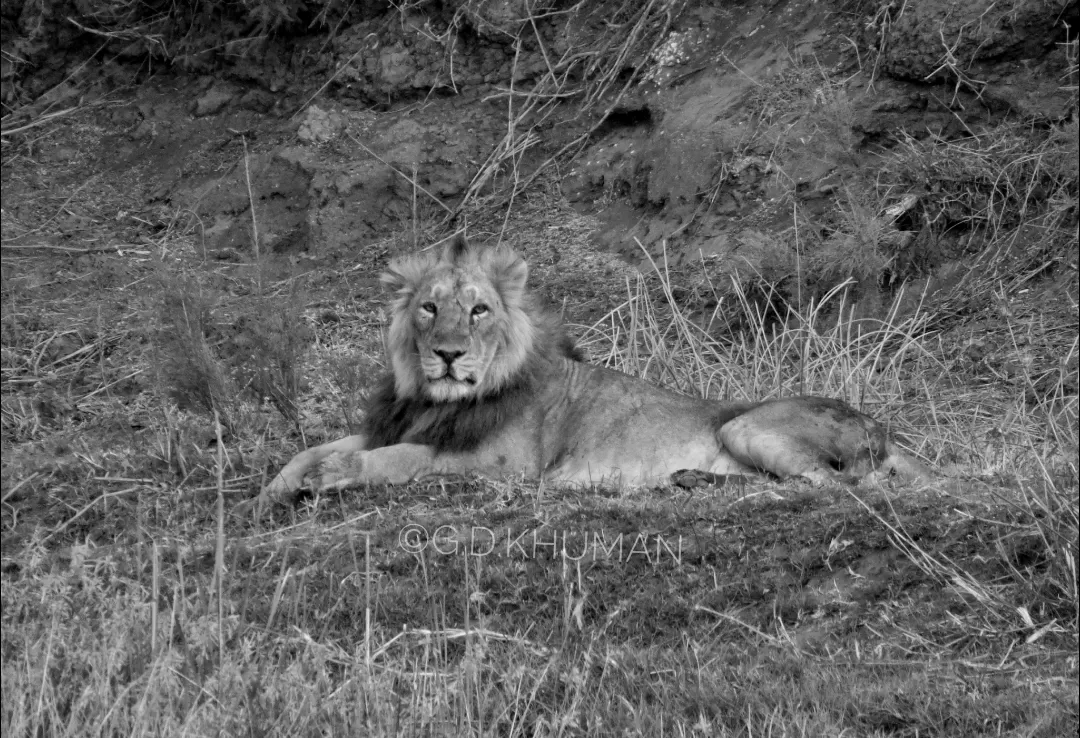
<point x="483" y="382"/>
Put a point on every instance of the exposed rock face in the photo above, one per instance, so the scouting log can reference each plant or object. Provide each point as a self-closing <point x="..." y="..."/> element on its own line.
<point x="1009" y="53"/>
<point x="449" y="47"/>
<point x="745" y="119"/>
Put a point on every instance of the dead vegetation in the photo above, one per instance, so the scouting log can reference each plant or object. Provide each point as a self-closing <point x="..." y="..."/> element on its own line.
<point x="480" y="607"/>
<point x="136" y="389"/>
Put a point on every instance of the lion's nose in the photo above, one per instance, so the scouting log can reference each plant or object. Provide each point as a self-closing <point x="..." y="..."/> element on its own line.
<point x="448" y="355"/>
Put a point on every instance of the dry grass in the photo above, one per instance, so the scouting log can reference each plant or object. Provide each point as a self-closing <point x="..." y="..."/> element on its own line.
<point x="591" y="72"/>
<point x="993" y="179"/>
<point x="896" y="369"/>
<point x="132" y="604"/>
<point x="884" y="367"/>
<point x="152" y="619"/>
<point x="453" y="682"/>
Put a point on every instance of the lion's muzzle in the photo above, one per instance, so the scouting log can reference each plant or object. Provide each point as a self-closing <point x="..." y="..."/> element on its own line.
<point x="448" y="356"/>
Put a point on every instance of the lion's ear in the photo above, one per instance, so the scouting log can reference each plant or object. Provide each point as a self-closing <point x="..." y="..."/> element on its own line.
<point x="457" y="250"/>
<point x="392" y="279"/>
<point x="404" y="274"/>
<point x="508" y="272"/>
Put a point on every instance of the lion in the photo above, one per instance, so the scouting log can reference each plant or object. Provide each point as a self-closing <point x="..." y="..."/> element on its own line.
<point x="483" y="381"/>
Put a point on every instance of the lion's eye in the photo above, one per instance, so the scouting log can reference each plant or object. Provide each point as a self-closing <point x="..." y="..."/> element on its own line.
<point x="429" y="307"/>
<point x="479" y="310"/>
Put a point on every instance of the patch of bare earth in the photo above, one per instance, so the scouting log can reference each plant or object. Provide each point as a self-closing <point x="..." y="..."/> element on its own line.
<point x="190" y="296"/>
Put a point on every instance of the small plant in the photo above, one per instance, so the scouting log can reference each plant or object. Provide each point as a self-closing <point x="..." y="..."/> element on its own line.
<point x="862" y="243"/>
<point x="350" y="377"/>
<point x="991" y="181"/>
<point x="211" y="355"/>
<point x="189" y="367"/>
<point x="265" y="346"/>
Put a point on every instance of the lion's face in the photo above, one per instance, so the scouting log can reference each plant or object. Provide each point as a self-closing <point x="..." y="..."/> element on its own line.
<point x="457" y="322"/>
<point x="458" y="329"/>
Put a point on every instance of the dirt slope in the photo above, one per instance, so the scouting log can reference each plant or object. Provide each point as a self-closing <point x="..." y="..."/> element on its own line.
<point x="747" y="119"/>
<point x="198" y="200"/>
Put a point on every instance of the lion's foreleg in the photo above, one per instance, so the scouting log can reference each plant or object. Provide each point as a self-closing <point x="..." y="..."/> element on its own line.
<point x="399" y="464"/>
<point x="292" y="477"/>
<point x="395" y="464"/>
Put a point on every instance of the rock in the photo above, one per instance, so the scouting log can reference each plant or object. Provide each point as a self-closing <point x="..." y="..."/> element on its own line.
<point x="726" y="205"/>
<point x="396" y="66"/>
<point x="932" y="38"/>
<point x="320" y="126"/>
<point x="257" y="100"/>
<point x="214" y="100"/>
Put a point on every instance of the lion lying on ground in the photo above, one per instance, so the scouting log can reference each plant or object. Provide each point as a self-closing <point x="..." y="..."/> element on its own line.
<point x="482" y="381"/>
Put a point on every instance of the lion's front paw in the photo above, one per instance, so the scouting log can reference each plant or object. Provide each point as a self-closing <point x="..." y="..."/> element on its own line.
<point x="283" y="489"/>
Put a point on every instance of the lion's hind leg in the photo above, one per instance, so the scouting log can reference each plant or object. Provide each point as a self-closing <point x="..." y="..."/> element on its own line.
<point x="815" y="438"/>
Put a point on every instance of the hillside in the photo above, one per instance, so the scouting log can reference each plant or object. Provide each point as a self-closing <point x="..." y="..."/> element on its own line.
<point x="866" y="199"/>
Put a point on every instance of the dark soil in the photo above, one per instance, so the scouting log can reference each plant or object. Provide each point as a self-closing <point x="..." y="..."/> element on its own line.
<point x="195" y="218"/>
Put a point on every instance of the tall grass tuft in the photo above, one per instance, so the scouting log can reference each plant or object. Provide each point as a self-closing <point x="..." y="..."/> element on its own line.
<point x="885" y="367"/>
<point x="900" y="370"/>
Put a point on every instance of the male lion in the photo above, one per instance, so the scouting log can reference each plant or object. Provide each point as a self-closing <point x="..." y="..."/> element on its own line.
<point x="483" y="381"/>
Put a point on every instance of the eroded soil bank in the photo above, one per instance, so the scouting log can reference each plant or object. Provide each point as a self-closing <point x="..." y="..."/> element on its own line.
<point x="712" y="128"/>
<point x="198" y="201"/>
